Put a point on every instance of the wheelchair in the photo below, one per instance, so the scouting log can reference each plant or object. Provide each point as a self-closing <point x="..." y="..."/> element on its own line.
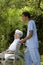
<point x="16" y="58"/>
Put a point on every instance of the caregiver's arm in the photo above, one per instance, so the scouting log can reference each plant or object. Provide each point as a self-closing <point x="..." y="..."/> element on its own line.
<point x="27" y="37"/>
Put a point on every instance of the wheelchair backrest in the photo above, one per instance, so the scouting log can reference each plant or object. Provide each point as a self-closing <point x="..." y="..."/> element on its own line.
<point x="17" y="48"/>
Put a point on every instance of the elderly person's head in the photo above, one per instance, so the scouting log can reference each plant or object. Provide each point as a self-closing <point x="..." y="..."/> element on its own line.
<point x="18" y="34"/>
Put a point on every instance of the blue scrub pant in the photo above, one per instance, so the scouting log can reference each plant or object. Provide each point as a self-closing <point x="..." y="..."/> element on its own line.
<point x="31" y="55"/>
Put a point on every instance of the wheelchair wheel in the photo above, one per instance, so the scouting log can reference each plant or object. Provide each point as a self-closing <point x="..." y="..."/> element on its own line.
<point x="19" y="60"/>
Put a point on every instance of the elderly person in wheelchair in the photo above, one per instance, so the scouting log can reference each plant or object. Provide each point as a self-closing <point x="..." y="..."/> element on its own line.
<point x="14" y="47"/>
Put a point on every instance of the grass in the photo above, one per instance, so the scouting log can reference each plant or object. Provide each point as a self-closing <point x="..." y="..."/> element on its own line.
<point x="41" y="59"/>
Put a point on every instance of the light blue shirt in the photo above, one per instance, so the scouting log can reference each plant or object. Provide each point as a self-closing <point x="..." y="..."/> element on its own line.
<point x="33" y="41"/>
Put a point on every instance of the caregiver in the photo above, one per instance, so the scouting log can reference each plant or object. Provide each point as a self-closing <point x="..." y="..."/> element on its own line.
<point x="31" y="54"/>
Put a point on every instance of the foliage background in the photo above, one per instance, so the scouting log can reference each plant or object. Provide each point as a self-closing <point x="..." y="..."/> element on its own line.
<point x="10" y="20"/>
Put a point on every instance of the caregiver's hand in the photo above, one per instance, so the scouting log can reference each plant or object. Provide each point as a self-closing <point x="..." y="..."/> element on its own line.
<point x="22" y="41"/>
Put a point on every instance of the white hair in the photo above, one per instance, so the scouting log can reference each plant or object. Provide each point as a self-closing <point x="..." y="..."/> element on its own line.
<point x="20" y="33"/>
